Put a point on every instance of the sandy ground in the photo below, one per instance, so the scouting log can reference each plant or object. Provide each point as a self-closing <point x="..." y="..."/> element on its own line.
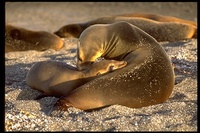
<point x="23" y="113"/>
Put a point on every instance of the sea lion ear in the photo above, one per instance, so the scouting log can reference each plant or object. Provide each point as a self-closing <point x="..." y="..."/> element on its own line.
<point x="78" y="43"/>
<point x="78" y="46"/>
<point x="15" y="34"/>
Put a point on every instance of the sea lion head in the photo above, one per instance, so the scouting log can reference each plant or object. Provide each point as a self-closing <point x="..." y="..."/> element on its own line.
<point x="21" y="39"/>
<point x="69" y="31"/>
<point x="102" y="40"/>
<point x="14" y="32"/>
<point x="86" y="59"/>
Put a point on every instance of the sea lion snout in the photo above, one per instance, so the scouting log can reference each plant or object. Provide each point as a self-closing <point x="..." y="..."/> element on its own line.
<point x="58" y="33"/>
<point x="117" y="64"/>
<point x="106" y="66"/>
<point x="69" y="31"/>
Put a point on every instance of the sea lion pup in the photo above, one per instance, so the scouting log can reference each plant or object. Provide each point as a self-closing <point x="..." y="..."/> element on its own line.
<point x="58" y="78"/>
<point x="162" y="28"/>
<point x="148" y="78"/>
<point x="20" y="39"/>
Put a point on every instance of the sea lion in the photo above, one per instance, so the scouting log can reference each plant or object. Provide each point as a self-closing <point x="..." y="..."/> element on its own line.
<point x="148" y="78"/>
<point x="157" y="17"/>
<point x="20" y="39"/>
<point x="56" y="78"/>
<point x="162" y="28"/>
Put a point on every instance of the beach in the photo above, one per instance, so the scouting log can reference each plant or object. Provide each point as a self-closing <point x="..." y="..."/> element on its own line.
<point x="23" y="113"/>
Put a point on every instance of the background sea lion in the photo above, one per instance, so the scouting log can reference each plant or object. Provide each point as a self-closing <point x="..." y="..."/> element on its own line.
<point x="147" y="79"/>
<point x="20" y="39"/>
<point x="58" y="78"/>
<point x="162" y="28"/>
<point x="157" y="17"/>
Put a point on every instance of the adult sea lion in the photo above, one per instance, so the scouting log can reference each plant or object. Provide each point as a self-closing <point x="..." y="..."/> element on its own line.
<point x="58" y="78"/>
<point x="20" y="39"/>
<point x="162" y="28"/>
<point x="148" y="78"/>
<point x="157" y="17"/>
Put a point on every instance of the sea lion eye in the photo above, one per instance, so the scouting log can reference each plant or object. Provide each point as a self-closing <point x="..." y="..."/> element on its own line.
<point x="111" y="68"/>
<point x="15" y="34"/>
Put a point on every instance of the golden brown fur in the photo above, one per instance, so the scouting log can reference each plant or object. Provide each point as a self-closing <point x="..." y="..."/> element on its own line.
<point x="176" y="28"/>
<point x="58" y="78"/>
<point x="159" y="18"/>
<point x="148" y="78"/>
<point x="21" y="39"/>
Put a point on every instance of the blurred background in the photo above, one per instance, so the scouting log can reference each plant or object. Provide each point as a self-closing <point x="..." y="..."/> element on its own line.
<point x="50" y="16"/>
